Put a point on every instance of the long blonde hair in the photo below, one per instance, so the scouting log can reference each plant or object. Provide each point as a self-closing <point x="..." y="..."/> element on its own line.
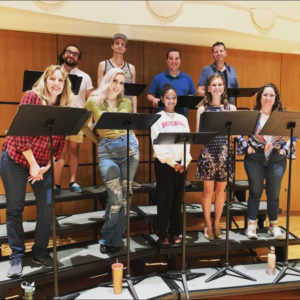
<point x="40" y="86"/>
<point x="101" y="93"/>
<point x="208" y="97"/>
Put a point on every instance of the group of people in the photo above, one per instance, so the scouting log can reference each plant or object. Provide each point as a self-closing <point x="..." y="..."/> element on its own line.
<point x="27" y="159"/>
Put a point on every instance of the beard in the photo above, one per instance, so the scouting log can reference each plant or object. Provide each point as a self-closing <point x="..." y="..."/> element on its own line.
<point x="70" y="62"/>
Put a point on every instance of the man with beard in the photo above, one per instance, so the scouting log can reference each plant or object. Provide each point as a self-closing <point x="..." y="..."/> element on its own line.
<point x="219" y="54"/>
<point x="69" y="59"/>
<point x="119" y="47"/>
<point x="182" y="82"/>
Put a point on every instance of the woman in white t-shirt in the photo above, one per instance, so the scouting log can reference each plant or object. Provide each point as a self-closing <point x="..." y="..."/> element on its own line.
<point x="169" y="169"/>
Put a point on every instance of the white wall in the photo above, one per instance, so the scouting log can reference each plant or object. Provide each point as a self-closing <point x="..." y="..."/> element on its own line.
<point x="197" y="22"/>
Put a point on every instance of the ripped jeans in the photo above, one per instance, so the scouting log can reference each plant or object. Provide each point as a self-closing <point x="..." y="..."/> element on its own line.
<point x="112" y="157"/>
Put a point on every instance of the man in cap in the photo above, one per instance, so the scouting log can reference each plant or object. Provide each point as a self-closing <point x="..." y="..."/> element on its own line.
<point x="119" y="47"/>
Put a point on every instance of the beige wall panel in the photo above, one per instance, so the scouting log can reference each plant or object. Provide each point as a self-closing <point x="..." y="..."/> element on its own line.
<point x="290" y="95"/>
<point x="254" y="69"/>
<point x="290" y="91"/>
<point x="7" y="113"/>
<point x="20" y="51"/>
<point x="86" y="151"/>
<point x="25" y="50"/>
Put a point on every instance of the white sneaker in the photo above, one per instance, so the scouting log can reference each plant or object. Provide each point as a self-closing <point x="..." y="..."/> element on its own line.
<point x="251" y="231"/>
<point x="276" y="232"/>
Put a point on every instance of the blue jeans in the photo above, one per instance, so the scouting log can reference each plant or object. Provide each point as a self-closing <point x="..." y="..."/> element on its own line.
<point x="258" y="169"/>
<point x="112" y="157"/>
<point x="14" y="179"/>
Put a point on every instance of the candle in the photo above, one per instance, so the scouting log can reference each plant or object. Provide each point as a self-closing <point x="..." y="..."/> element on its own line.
<point x="117" y="275"/>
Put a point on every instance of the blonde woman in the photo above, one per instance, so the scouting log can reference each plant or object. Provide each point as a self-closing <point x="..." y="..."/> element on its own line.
<point x="27" y="159"/>
<point x="112" y="156"/>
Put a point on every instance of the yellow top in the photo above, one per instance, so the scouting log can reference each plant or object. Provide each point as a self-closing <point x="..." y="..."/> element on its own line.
<point x="124" y="105"/>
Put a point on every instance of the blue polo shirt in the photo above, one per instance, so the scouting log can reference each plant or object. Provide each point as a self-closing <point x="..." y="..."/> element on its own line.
<point x="232" y="81"/>
<point x="183" y="84"/>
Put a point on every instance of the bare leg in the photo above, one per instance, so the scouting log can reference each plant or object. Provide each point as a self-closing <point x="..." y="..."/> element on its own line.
<point x="73" y="160"/>
<point x="208" y="190"/>
<point x="219" y="204"/>
<point x="59" y="165"/>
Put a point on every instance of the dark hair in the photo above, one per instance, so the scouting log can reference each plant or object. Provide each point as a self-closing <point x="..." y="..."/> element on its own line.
<point x="173" y="50"/>
<point x="277" y="104"/>
<point x="208" y="97"/>
<point x="166" y="87"/>
<point x="217" y="44"/>
<point x="60" y="56"/>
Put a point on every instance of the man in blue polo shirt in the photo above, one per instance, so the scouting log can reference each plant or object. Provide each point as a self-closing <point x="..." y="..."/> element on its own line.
<point x="182" y="82"/>
<point x="219" y="54"/>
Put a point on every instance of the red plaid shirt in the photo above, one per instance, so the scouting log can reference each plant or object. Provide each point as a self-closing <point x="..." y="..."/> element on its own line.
<point x="40" y="145"/>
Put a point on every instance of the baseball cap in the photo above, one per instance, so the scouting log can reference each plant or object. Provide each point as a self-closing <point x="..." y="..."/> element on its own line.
<point x="120" y="36"/>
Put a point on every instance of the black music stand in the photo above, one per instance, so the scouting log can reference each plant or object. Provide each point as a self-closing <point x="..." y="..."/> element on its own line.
<point x="127" y="121"/>
<point x="184" y="138"/>
<point x="241" y="92"/>
<point x="41" y="120"/>
<point x="284" y="123"/>
<point x="30" y="77"/>
<point x="134" y="89"/>
<point x="229" y="123"/>
<point x="188" y="101"/>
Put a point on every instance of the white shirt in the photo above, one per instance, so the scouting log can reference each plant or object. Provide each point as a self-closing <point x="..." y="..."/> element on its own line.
<point x="86" y="84"/>
<point x="172" y="153"/>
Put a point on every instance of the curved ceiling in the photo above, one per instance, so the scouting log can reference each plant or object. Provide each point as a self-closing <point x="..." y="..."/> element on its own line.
<point x="195" y="22"/>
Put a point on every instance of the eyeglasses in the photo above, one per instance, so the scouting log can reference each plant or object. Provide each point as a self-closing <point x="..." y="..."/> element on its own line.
<point x="269" y="95"/>
<point x="75" y="54"/>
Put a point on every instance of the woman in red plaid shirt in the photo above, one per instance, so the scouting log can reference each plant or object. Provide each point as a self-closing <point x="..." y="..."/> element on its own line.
<point x="27" y="159"/>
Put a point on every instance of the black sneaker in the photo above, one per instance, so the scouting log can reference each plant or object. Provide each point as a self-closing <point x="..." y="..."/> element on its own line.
<point x="105" y="249"/>
<point x="57" y="189"/>
<point x="46" y="262"/>
<point x="15" y="268"/>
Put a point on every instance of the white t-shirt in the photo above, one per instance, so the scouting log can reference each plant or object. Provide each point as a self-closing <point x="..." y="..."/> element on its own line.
<point x="86" y="84"/>
<point x="170" y="154"/>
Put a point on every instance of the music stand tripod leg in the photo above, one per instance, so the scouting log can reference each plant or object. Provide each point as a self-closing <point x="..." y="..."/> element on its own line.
<point x="54" y="220"/>
<point x="222" y="271"/>
<point x="128" y="276"/>
<point x="131" y="287"/>
<point x="185" y="287"/>
<point x="286" y="265"/>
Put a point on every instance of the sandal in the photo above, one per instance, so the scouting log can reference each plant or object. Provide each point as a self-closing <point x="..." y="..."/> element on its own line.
<point x="209" y="237"/>
<point x="218" y="233"/>
<point x="164" y="242"/>
<point x="176" y="240"/>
